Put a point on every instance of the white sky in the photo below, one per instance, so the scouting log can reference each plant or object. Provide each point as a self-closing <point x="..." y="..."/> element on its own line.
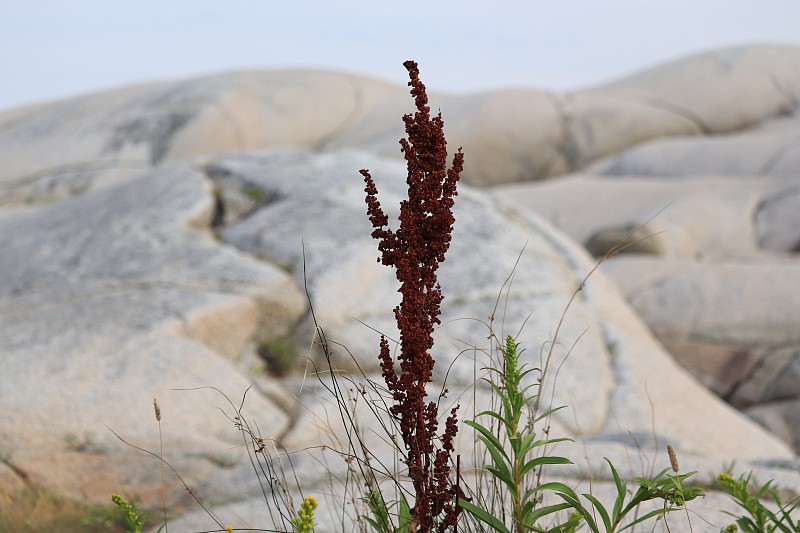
<point x="59" y="48"/>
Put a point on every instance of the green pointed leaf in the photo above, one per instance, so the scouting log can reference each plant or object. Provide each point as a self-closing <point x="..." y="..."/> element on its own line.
<point x="600" y="509"/>
<point x="546" y="460"/>
<point x="527" y="509"/>
<point x="544" y="511"/>
<point x="647" y="491"/>
<point x="500" y="468"/>
<point x="499" y="391"/>
<point x="526" y="441"/>
<point x="569" y="496"/>
<point x="493" y="415"/>
<point x="404" y="521"/>
<point x="484" y="516"/>
<point x="542" y="442"/>
<point x="505" y="477"/>
<point x="570" y="525"/>
<point x="373" y="523"/>
<point x="621" y="490"/>
<point x="617" y="480"/>
<point x="488" y="438"/>
<point x="547" y="413"/>
<point x="530" y="443"/>
<point x="558" y="487"/>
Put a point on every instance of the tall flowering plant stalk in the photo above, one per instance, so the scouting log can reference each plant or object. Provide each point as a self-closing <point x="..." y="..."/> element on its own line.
<point x="415" y="249"/>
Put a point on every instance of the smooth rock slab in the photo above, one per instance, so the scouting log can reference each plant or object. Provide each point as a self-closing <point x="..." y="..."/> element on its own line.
<point x="613" y="366"/>
<point x="745" y="304"/>
<point x="722" y="90"/>
<point x="717" y="286"/>
<point x="733" y="324"/>
<point x="116" y="297"/>
<point x="512" y="135"/>
<point x="704" y="217"/>
<point x="772" y="149"/>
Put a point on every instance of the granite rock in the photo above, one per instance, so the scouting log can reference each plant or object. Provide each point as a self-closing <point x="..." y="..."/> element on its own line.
<point x="144" y="251"/>
<point x="605" y="353"/>
<point x="512" y="135"/>
<point x="115" y="297"/>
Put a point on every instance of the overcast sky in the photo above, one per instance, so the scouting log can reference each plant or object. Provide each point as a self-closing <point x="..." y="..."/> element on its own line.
<point x="58" y="48"/>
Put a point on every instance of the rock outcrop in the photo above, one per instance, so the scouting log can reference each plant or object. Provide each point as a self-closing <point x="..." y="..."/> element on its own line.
<point x="712" y="226"/>
<point x="171" y="236"/>
<point x="116" y="297"/>
<point x="60" y="148"/>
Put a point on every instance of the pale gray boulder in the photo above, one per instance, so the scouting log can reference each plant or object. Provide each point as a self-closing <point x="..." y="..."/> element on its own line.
<point x="717" y="92"/>
<point x="733" y="324"/>
<point x="512" y="135"/>
<point x="150" y="124"/>
<point x="744" y="304"/>
<point x="115" y="289"/>
<point x="708" y="217"/>
<point x="720" y="91"/>
<point x="145" y="125"/>
<point x="116" y="297"/>
<point x="772" y="149"/>
<point x="612" y="356"/>
<point x="53" y="184"/>
<point x="708" y="270"/>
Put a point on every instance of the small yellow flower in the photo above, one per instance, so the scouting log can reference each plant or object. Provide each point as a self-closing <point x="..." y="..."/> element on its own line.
<point x="304" y="521"/>
<point x="229" y="529"/>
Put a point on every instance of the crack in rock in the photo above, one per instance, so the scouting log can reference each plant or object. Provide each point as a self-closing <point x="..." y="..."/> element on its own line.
<point x="688" y="114"/>
<point x="235" y="196"/>
<point x="778" y="155"/>
<point x="567" y="147"/>
<point x="791" y="99"/>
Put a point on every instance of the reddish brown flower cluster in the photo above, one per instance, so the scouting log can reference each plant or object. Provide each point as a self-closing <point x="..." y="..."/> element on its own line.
<point x="415" y="250"/>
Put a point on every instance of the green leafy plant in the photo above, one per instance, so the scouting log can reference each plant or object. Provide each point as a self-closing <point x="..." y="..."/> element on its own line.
<point x="84" y="443"/>
<point x="380" y="517"/>
<point x="279" y="354"/>
<point x="516" y="467"/>
<point x="668" y="488"/>
<point x="759" y="518"/>
<point x="130" y="513"/>
<point x="255" y="193"/>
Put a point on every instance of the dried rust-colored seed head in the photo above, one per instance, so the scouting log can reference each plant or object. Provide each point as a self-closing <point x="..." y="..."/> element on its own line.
<point x="415" y="249"/>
